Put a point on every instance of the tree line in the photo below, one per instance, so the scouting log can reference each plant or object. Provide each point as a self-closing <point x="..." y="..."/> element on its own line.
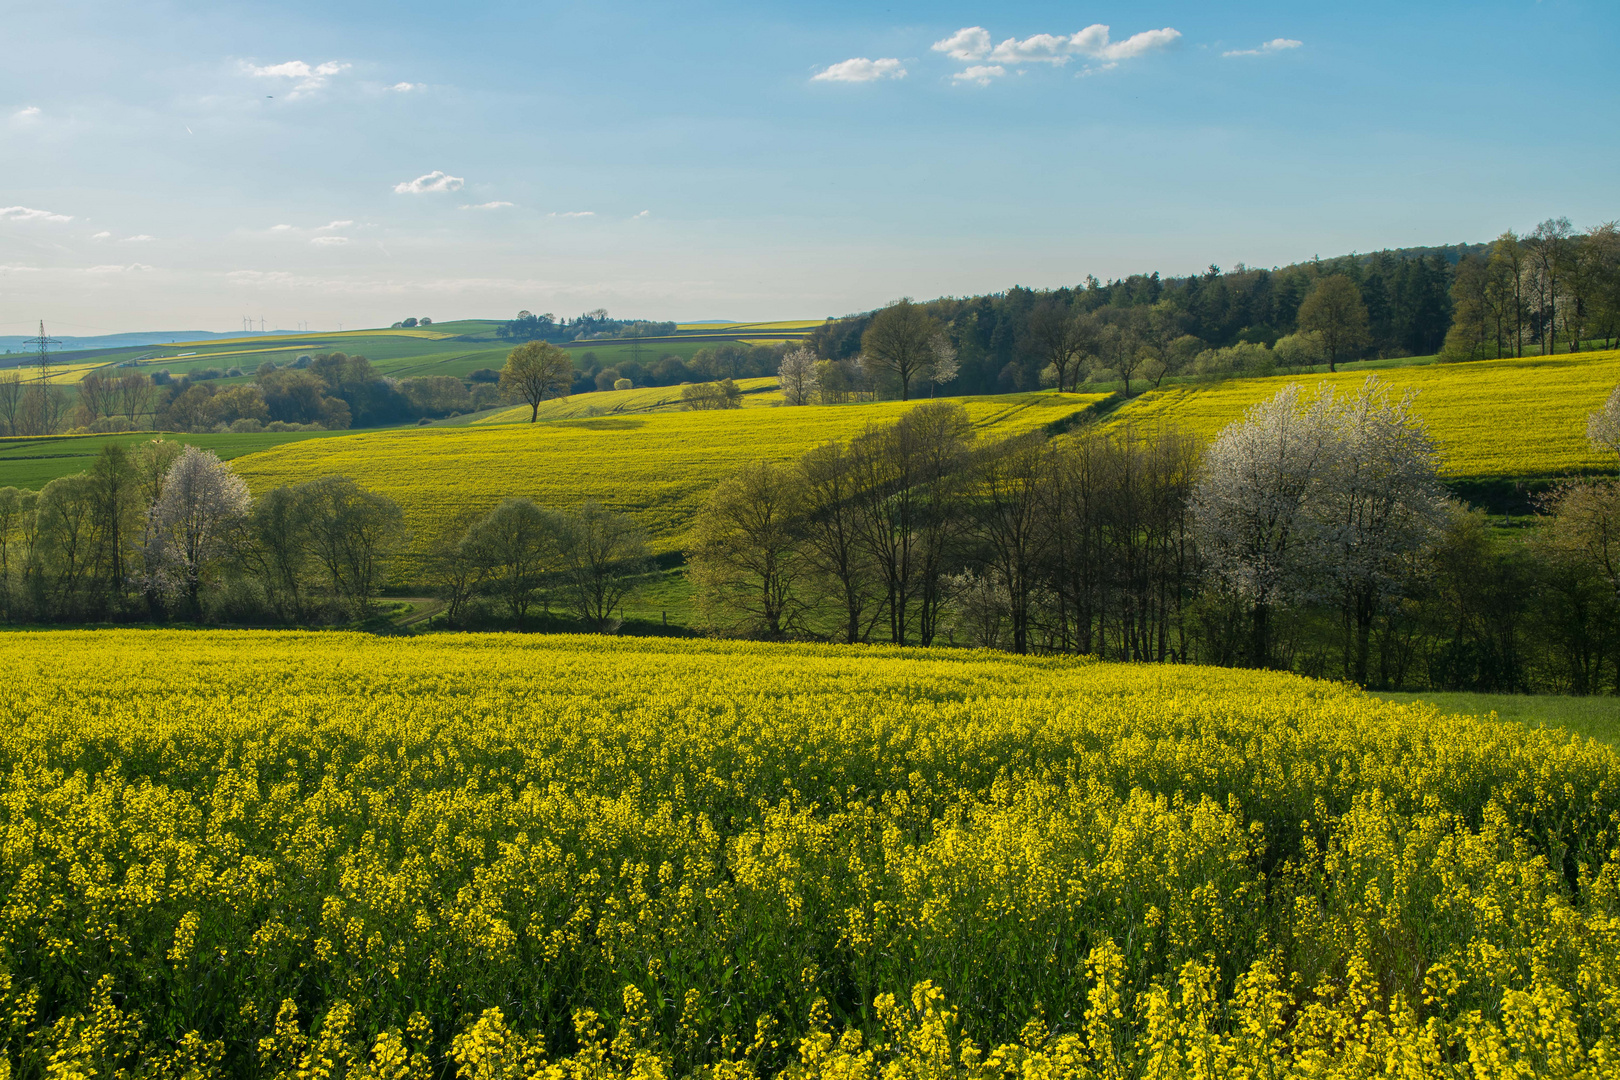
<point x="325" y="391"/>
<point x="1551" y="290"/>
<point x="1312" y="535"/>
<point x="162" y="531"/>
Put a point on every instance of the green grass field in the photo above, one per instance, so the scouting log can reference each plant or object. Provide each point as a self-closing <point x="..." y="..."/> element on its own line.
<point x="1493" y="418"/>
<point x="657" y="466"/>
<point x="1594" y="717"/>
<point x="35" y="462"/>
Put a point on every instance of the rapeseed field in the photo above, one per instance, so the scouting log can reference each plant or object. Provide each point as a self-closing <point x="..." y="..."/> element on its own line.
<point x="657" y="468"/>
<point x="287" y="854"/>
<point x="756" y="393"/>
<point x="1491" y="418"/>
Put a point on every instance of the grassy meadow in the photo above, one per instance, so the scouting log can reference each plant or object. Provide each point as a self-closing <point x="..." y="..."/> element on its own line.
<point x="35" y="461"/>
<point x="1492" y="418"/>
<point x="657" y="467"/>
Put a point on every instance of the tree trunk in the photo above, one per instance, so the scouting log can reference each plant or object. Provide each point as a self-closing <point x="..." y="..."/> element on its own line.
<point x="1259" y="641"/>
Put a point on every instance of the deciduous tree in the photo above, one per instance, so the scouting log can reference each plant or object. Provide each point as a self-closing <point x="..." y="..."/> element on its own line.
<point x="535" y="372"/>
<point x="1334" y="310"/>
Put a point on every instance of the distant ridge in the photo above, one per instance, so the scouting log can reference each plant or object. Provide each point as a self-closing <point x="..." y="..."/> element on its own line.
<point x="123" y="341"/>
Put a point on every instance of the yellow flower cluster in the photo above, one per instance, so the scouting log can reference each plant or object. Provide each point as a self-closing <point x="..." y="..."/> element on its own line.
<point x="325" y="855"/>
<point x="656" y="467"/>
<point x="1491" y="418"/>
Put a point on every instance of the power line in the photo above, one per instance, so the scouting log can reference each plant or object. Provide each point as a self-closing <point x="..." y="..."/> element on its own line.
<point x="44" y="344"/>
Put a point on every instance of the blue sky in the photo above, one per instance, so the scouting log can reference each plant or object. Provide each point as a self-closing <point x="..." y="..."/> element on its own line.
<point x="181" y="165"/>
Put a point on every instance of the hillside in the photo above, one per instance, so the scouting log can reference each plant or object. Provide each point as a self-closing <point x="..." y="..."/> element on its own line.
<point x="756" y="393"/>
<point x="1493" y="418"/>
<point x="658" y="467"/>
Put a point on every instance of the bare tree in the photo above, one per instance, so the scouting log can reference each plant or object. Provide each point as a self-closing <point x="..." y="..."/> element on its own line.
<point x="601" y="555"/>
<point x="1059" y="338"/>
<point x="353" y="535"/>
<point x="746" y="559"/>
<point x="135" y="392"/>
<point x="116" y="492"/>
<point x="911" y="476"/>
<point x="279" y="525"/>
<point x="535" y="372"/>
<point x="1011" y="525"/>
<point x="195" y="523"/>
<point x="96" y="393"/>
<point x="832" y="537"/>
<point x="797" y="376"/>
<point x="11" y="395"/>
<point x="1545" y="247"/>
<point x="902" y="340"/>
<point x="515" y="546"/>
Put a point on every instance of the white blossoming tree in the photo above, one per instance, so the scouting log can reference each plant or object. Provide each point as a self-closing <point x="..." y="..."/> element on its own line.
<point x="195" y="523"/>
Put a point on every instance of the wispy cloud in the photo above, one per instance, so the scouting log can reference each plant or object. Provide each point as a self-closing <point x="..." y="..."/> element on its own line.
<point x="644" y="213"/>
<point x="574" y="213"/>
<point x="1093" y="43"/>
<point x="497" y="204"/>
<point x="102" y="235"/>
<point x="860" y="70"/>
<point x="328" y="241"/>
<point x="329" y="226"/>
<point x="25" y="213"/>
<point x="139" y="238"/>
<point x="1275" y="45"/>
<point x="114" y="268"/>
<point x="306" y="78"/>
<point x="407" y="87"/>
<point x="27" y="114"/>
<point x="433" y="181"/>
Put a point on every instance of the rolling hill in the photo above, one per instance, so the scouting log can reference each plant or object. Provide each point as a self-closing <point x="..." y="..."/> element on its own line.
<point x="1523" y="418"/>
<point x="657" y="467"/>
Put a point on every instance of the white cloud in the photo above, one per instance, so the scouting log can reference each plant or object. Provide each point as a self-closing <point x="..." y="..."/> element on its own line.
<point x="1040" y="49"/>
<point x="407" y="87"/>
<point x="333" y="225"/>
<point x="24" y="213"/>
<point x="328" y="241"/>
<point x="140" y="238"/>
<point x="1094" y="42"/>
<point x="968" y="43"/>
<point x="132" y="268"/>
<point x="433" y="181"/>
<point x="102" y="235"/>
<point x="496" y="204"/>
<point x="980" y="73"/>
<point x="26" y="114"/>
<point x="574" y="213"/>
<point x="281" y="228"/>
<point x="860" y="70"/>
<point x="307" y="78"/>
<point x="1272" y="46"/>
<point x="644" y="213"/>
